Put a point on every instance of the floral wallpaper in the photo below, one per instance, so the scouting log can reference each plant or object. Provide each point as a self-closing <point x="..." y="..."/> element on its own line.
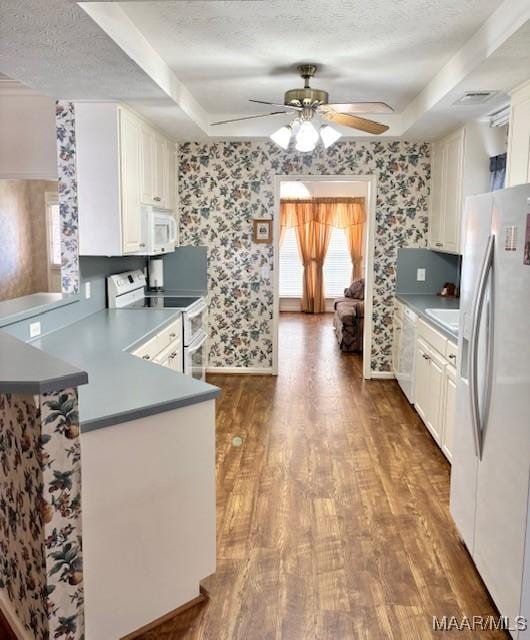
<point x="22" y="553"/>
<point x="65" y="125"/>
<point x="40" y="513"/>
<point x="224" y="185"/>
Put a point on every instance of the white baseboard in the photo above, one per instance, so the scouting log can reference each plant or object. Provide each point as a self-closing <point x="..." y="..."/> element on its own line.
<point x="241" y="370"/>
<point x="382" y="375"/>
<point x="7" y="609"/>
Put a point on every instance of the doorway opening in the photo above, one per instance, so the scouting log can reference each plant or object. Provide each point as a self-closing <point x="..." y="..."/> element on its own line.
<point x="323" y="245"/>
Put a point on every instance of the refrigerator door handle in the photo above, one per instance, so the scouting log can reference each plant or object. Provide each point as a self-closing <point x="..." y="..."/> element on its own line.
<point x="478" y="306"/>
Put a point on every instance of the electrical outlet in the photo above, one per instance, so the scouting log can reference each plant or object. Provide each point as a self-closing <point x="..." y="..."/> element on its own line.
<point x="420" y="275"/>
<point x="88" y="290"/>
<point x="34" y="329"/>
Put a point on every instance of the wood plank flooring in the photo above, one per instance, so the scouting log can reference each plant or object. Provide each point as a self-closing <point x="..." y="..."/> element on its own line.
<point x="333" y="519"/>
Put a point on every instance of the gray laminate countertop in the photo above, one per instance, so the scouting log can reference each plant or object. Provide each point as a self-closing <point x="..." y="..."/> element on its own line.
<point x="24" y="307"/>
<point x="418" y="302"/>
<point x="122" y="387"/>
<point x="26" y="370"/>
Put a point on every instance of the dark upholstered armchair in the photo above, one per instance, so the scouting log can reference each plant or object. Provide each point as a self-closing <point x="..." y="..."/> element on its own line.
<point x="349" y="317"/>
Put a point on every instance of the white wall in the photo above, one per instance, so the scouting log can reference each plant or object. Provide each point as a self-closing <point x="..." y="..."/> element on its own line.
<point x="27" y="133"/>
<point x="323" y="189"/>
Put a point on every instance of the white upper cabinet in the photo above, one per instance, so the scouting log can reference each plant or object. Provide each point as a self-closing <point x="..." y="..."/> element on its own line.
<point x="122" y="163"/>
<point x="518" y="167"/>
<point x="460" y="168"/>
<point x="158" y="168"/>
<point x="132" y="241"/>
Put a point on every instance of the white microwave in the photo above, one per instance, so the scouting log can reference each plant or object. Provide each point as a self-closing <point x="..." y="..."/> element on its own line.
<point x="159" y="230"/>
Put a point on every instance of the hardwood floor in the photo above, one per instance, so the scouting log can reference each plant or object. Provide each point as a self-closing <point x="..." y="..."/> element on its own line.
<point x="333" y="518"/>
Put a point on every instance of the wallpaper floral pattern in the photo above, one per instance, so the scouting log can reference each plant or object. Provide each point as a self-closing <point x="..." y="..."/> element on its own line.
<point x="66" y="163"/>
<point x="224" y="185"/>
<point x="40" y="513"/>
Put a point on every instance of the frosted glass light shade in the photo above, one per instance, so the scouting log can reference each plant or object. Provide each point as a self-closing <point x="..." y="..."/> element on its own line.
<point x="307" y="137"/>
<point x="329" y="135"/>
<point x="282" y="136"/>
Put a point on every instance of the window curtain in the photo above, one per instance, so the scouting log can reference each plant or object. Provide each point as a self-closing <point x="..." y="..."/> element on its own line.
<point x="497" y="172"/>
<point x="313" y="220"/>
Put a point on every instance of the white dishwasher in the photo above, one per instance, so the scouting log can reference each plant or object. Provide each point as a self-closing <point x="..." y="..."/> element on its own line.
<point x="407" y="353"/>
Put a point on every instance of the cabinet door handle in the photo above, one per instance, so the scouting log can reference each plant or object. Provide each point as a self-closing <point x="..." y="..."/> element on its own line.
<point x="425" y="356"/>
<point x="172" y="335"/>
<point x="146" y="357"/>
<point x="452" y="356"/>
<point x="438" y="244"/>
<point x="157" y="198"/>
<point x="142" y="244"/>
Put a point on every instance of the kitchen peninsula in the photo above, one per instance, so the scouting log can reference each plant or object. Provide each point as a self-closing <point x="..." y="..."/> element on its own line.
<point x="147" y="437"/>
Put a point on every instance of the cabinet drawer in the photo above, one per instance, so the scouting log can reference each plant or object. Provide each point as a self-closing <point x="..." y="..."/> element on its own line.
<point x="148" y="350"/>
<point x="171" y="333"/>
<point x="450" y="352"/>
<point x="430" y="335"/>
<point x="174" y="350"/>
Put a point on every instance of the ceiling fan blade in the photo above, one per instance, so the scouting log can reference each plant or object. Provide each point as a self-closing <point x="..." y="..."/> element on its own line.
<point x="355" y="122"/>
<point x="261" y="115"/>
<point x="276" y="104"/>
<point x="359" y="107"/>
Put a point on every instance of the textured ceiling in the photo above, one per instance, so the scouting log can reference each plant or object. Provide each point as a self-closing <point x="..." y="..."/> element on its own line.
<point x="53" y="46"/>
<point x="210" y="56"/>
<point x="228" y="51"/>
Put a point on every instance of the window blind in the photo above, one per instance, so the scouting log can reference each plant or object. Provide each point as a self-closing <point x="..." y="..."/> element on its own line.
<point x="291" y="269"/>
<point x="337" y="266"/>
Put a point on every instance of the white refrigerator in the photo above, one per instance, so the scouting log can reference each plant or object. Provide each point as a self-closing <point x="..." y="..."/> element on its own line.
<point x="490" y="472"/>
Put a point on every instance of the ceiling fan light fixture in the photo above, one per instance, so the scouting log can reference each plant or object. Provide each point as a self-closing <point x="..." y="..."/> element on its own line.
<point x="282" y="136"/>
<point x="329" y="135"/>
<point x="307" y="137"/>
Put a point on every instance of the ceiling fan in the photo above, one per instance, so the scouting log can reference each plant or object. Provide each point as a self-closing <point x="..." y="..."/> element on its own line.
<point x="309" y="105"/>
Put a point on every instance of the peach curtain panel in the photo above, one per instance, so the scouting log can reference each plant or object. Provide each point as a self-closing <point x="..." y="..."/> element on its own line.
<point x="313" y="220"/>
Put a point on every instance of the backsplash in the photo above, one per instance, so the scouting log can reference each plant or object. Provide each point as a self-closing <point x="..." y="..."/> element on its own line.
<point x="224" y="185"/>
<point x="439" y="269"/>
<point x="186" y="269"/>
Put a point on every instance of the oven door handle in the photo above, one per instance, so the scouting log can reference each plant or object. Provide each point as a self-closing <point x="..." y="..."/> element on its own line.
<point x="172" y="230"/>
<point x="195" y="312"/>
<point x="197" y="343"/>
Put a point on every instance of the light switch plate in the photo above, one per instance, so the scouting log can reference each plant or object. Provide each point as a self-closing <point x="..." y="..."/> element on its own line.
<point x="88" y="290"/>
<point x="420" y="275"/>
<point x="34" y="329"/>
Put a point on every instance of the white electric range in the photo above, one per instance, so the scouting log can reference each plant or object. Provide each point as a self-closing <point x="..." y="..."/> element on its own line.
<point x="128" y="291"/>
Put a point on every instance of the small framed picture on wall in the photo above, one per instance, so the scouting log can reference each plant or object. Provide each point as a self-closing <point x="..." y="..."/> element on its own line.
<point x="262" y="230"/>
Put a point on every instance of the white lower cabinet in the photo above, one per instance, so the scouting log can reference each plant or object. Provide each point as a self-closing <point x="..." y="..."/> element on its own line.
<point x="435" y="385"/>
<point x="396" y="343"/>
<point x="429" y="387"/>
<point x="449" y="408"/>
<point x="165" y="348"/>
